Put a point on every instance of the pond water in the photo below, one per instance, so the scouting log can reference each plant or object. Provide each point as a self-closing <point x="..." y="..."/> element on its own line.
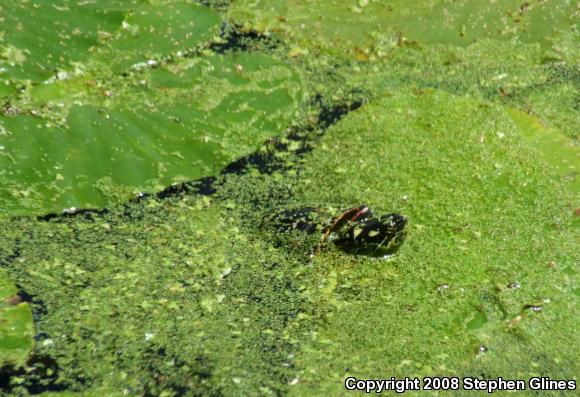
<point x="461" y="116"/>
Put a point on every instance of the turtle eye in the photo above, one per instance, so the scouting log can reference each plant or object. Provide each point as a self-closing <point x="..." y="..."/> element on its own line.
<point x="395" y="222"/>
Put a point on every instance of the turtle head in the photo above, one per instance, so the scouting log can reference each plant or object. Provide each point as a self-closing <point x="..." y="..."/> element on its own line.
<point x="376" y="236"/>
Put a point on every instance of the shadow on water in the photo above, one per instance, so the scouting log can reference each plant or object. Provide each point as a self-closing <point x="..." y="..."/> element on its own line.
<point x="39" y="375"/>
<point x="265" y="160"/>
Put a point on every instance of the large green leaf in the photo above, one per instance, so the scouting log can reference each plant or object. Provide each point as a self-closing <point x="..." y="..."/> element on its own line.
<point x="179" y="122"/>
<point x="88" y="135"/>
<point x="38" y="37"/>
<point x="43" y="37"/>
<point x="151" y="31"/>
<point x="16" y="327"/>
<point x="55" y="167"/>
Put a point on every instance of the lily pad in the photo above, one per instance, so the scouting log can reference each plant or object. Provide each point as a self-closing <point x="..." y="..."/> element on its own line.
<point x="86" y="140"/>
<point x="152" y="30"/>
<point x="556" y="149"/>
<point x="40" y="37"/>
<point x="16" y="326"/>
<point x="364" y="28"/>
<point x="53" y="167"/>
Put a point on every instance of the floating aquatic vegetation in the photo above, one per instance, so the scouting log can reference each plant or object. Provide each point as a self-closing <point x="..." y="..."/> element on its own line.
<point x="188" y="294"/>
<point x="88" y="137"/>
<point x="480" y="215"/>
<point x="151" y="31"/>
<point x="41" y="37"/>
<point x="16" y="327"/>
<point x="366" y="29"/>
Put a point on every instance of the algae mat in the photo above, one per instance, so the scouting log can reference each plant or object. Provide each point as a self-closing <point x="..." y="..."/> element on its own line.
<point x="367" y="29"/>
<point x="484" y="285"/>
<point x="173" y="296"/>
<point x="16" y="328"/>
<point x="189" y="294"/>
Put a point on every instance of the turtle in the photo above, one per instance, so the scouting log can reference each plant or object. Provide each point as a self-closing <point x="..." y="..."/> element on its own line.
<point x="355" y="230"/>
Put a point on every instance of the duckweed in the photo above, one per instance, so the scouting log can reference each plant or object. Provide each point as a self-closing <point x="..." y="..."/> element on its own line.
<point x="469" y="131"/>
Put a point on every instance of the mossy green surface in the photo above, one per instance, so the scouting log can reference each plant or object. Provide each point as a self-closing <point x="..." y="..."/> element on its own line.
<point x="473" y="137"/>
<point x="492" y="233"/>
<point x="176" y="296"/>
<point x="16" y="327"/>
<point x="542" y="81"/>
<point x="360" y="28"/>
<point x="190" y="294"/>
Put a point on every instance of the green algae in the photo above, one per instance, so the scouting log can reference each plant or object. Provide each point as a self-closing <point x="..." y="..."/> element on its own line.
<point x="189" y="294"/>
<point x="486" y="221"/>
<point x="16" y="323"/>
<point x="365" y="29"/>
<point x="16" y="326"/>
<point x="542" y="82"/>
<point x="559" y="151"/>
<point x="6" y="89"/>
<point x="187" y="301"/>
